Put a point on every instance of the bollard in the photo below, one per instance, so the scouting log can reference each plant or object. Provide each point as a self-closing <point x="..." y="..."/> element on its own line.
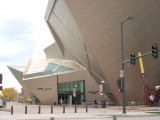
<point x="75" y="109"/>
<point x="51" y="109"/>
<point x="25" y="109"/>
<point x="52" y="118"/>
<point x="39" y="110"/>
<point x="114" y="117"/>
<point x="63" y="108"/>
<point x="86" y="108"/>
<point x="11" y="110"/>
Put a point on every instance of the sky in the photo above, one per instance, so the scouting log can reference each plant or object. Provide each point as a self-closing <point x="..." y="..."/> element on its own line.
<point x="22" y="26"/>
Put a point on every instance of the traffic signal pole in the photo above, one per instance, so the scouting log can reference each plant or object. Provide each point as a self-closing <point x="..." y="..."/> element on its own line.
<point x="122" y="57"/>
<point x="127" y="61"/>
<point x="123" y="80"/>
<point x="132" y="60"/>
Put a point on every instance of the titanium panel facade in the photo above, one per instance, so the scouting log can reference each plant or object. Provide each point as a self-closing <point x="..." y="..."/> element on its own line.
<point x="88" y="31"/>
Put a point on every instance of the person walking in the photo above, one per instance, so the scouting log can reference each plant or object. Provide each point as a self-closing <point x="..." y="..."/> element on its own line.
<point x="83" y="101"/>
<point x="61" y="101"/>
<point x="95" y="104"/>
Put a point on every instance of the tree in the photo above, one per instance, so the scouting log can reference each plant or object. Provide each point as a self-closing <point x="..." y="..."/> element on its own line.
<point x="10" y="93"/>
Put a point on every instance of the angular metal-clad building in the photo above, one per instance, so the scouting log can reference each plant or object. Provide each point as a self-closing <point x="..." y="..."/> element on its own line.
<point x="89" y="32"/>
<point x="48" y="78"/>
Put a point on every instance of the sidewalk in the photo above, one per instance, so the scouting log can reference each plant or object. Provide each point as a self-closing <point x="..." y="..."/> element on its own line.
<point x="133" y="113"/>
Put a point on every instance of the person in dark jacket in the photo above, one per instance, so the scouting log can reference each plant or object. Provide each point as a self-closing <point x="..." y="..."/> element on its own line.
<point x="95" y="104"/>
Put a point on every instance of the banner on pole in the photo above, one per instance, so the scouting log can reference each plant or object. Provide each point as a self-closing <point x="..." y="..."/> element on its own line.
<point x="121" y="73"/>
<point x="74" y="92"/>
<point x="100" y="89"/>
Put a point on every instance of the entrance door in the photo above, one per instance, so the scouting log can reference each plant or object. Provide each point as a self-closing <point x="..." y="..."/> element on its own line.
<point x="64" y="97"/>
<point x="76" y="100"/>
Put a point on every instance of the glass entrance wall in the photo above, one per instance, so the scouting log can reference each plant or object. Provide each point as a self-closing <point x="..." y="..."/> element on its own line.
<point x="66" y="89"/>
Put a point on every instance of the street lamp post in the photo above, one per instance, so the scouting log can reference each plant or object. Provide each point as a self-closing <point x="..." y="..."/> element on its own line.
<point x="122" y="57"/>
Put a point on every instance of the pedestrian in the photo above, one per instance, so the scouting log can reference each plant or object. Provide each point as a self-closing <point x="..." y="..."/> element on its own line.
<point x="61" y="101"/>
<point x="95" y="104"/>
<point x="83" y="101"/>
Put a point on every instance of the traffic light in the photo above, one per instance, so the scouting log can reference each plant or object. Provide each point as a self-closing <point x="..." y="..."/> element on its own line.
<point x="155" y="51"/>
<point x="120" y="90"/>
<point x="1" y="77"/>
<point x="119" y="82"/>
<point x="133" y="58"/>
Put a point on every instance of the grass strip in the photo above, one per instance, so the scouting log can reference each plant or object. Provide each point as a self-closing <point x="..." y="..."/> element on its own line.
<point x="154" y="112"/>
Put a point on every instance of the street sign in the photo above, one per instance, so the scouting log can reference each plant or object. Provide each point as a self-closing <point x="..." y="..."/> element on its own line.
<point x="100" y="89"/>
<point x="122" y="73"/>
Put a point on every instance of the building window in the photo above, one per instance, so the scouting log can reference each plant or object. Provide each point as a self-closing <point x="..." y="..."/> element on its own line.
<point x="63" y="87"/>
<point x="77" y="85"/>
<point x="71" y="86"/>
<point x="66" y="89"/>
<point x="67" y="86"/>
<point x="50" y="66"/>
<point x="81" y="86"/>
<point x="61" y="69"/>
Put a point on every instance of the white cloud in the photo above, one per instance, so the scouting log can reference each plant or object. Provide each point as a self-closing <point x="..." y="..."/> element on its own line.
<point x="11" y="48"/>
<point x="7" y="49"/>
<point x="37" y="31"/>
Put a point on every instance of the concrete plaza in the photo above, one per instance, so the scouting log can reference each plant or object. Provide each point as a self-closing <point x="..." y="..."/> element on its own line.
<point x="133" y="113"/>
